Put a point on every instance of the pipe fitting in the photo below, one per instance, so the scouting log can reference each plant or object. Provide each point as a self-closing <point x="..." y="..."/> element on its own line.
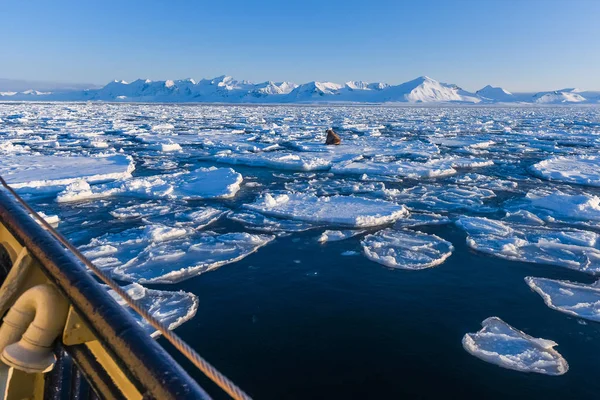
<point x="30" y="327"/>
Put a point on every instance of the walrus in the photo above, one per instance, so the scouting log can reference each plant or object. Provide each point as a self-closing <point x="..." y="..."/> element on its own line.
<point x="332" y="137"/>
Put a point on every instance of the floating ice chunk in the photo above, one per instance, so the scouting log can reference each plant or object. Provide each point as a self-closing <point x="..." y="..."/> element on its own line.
<point x="562" y="206"/>
<point x="36" y="171"/>
<point x="485" y="182"/>
<point x="201" y="218"/>
<point x="523" y="217"/>
<point x="501" y="344"/>
<point x="178" y="260"/>
<point x="277" y="160"/>
<point x="420" y="219"/>
<point x="335" y="210"/>
<point x="443" y="197"/>
<point x="462" y="162"/>
<point x="407" y="169"/>
<point x="53" y="220"/>
<point x="80" y="191"/>
<point x="582" y="170"/>
<point x="327" y="186"/>
<point x="406" y="249"/>
<point x="259" y="222"/>
<point x="171" y="308"/>
<point x="574" y="249"/>
<point x="471" y="142"/>
<point x="571" y="298"/>
<point x="140" y="210"/>
<point x="335" y="236"/>
<point x="209" y="183"/>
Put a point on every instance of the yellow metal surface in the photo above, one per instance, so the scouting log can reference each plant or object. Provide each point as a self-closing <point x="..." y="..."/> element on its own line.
<point x="21" y="385"/>
<point x="114" y="371"/>
<point x="76" y="331"/>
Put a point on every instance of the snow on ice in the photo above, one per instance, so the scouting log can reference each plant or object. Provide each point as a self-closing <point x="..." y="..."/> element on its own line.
<point x="501" y="344"/>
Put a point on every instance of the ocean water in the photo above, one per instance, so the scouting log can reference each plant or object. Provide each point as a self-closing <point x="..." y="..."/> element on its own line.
<point x="304" y="319"/>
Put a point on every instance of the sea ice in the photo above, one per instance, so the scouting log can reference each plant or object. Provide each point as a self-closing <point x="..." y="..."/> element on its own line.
<point x="406" y="169"/>
<point x="571" y="298"/>
<point x="406" y="249"/>
<point x="421" y="219"/>
<point x="501" y="344"/>
<point x="582" y="170"/>
<point x="335" y="236"/>
<point x="335" y="210"/>
<point x="443" y="197"/>
<point x="570" y="248"/>
<point x="171" y="308"/>
<point x="262" y="223"/>
<point x="37" y="170"/>
<point x="177" y="260"/>
<point x="209" y="183"/>
<point x="277" y="160"/>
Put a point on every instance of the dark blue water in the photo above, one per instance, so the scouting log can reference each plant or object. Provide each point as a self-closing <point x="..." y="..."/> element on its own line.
<point x="297" y="320"/>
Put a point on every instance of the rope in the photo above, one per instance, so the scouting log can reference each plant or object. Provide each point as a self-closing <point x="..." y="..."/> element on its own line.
<point x="211" y="372"/>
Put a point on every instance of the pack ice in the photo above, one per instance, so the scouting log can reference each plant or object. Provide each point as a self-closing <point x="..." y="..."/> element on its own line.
<point x="41" y="170"/>
<point x="577" y="299"/>
<point x="177" y="260"/>
<point x="570" y="248"/>
<point x="581" y="170"/>
<point x="209" y="183"/>
<point x="334" y="210"/>
<point x="501" y="344"/>
<point x="406" y="249"/>
<point x="171" y="308"/>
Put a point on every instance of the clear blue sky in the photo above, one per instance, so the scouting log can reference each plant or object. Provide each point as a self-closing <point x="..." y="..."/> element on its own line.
<point x="522" y="45"/>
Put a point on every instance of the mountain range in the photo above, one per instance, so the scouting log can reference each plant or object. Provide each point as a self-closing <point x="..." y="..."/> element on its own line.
<point x="225" y="89"/>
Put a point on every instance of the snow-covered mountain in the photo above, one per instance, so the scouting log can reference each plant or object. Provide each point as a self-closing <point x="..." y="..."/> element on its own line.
<point x="495" y="94"/>
<point x="225" y="89"/>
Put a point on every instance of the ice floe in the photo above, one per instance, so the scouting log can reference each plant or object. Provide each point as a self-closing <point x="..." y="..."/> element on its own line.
<point x="171" y="308"/>
<point x="258" y="222"/>
<point x="40" y="170"/>
<point x="208" y="183"/>
<point x="177" y="260"/>
<point x="501" y="344"/>
<point x="443" y="197"/>
<point x="335" y="236"/>
<point x="577" y="299"/>
<point x="570" y="248"/>
<point x="277" y="160"/>
<point x="406" y="249"/>
<point x="335" y="210"/>
<point x="581" y="170"/>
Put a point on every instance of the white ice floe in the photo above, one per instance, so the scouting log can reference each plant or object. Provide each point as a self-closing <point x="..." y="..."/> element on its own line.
<point x="582" y="170"/>
<point x="80" y="190"/>
<point x="467" y="141"/>
<point x="277" y="160"/>
<point x="571" y="298"/>
<point x="258" y="222"/>
<point x="53" y="220"/>
<point x="570" y="248"/>
<point x="38" y="170"/>
<point x="141" y="210"/>
<point x="171" y="308"/>
<point x="421" y="219"/>
<point x="335" y="210"/>
<point x="501" y="344"/>
<point x="443" y="197"/>
<point x="177" y="260"/>
<point x="406" y="249"/>
<point x="485" y="182"/>
<point x="335" y="236"/>
<point x="209" y="183"/>
<point x="201" y="217"/>
<point x="555" y="205"/>
<point x="406" y="169"/>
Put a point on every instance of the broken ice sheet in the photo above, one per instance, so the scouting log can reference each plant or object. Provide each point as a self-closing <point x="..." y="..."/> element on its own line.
<point x="501" y="344"/>
<point x="406" y="249"/>
<point x="570" y="248"/>
<point x="176" y="260"/>
<point x="335" y="210"/>
<point x="573" y="298"/>
<point x="171" y="308"/>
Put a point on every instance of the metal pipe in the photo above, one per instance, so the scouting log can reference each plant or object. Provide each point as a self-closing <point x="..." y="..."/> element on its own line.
<point x="30" y="327"/>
